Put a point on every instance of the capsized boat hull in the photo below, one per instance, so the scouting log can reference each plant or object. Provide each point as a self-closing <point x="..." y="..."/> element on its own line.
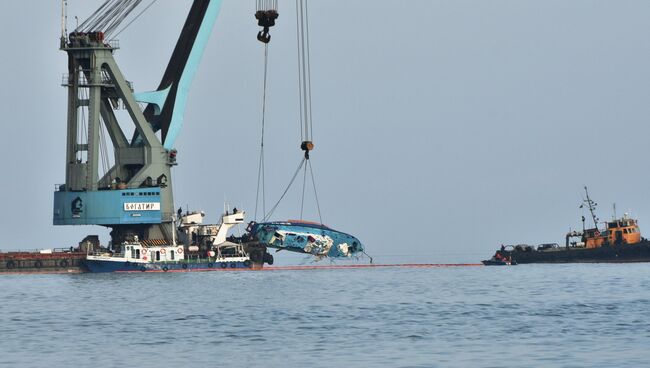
<point x="306" y="237"/>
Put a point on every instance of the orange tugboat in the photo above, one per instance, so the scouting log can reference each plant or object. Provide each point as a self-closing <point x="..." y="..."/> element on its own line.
<point x="620" y="241"/>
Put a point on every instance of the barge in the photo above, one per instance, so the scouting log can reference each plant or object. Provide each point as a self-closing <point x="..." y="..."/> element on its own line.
<point x="44" y="261"/>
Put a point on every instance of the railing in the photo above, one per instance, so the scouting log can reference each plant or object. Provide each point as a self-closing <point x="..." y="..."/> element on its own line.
<point x="232" y="255"/>
<point x="40" y="251"/>
<point x="86" y="44"/>
<point x="197" y="260"/>
<point x="105" y="80"/>
<point x="114" y="44"/>
<point x="105" y="253"/>
<point x="23" y="255"/>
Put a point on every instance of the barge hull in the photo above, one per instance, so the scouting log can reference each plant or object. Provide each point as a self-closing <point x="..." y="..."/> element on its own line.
<point x="46" y="263"/>
<point x="109" y="266"/>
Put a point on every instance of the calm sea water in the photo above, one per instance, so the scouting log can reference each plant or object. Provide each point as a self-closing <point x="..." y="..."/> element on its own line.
<point x="523" y="316"/>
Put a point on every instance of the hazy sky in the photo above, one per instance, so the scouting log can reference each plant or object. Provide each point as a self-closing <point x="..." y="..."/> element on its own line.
<point x="442" y="128"/>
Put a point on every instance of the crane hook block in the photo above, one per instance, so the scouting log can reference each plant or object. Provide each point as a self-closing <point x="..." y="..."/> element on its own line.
<point x="307" y="146"/>
<point x="265" y="19"/>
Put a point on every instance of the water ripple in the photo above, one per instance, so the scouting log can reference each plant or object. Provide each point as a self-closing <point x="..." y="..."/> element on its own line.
<point x="561" y="315"/>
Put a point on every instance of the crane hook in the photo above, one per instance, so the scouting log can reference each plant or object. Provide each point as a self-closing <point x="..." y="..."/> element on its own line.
<point x="264" y="36"/>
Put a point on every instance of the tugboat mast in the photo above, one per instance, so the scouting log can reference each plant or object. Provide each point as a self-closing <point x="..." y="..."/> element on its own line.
<point x="592" y="207"/>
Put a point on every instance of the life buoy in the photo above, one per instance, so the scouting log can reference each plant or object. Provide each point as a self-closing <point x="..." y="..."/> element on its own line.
<point x="11" y="265"/>
<point x="179" y="250"/>
<point x="163" y="251"/>
<point x="63" y="263"/>
<point x="144" y="258"/>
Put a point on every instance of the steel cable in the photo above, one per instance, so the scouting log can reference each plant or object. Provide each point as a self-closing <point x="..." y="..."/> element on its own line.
<point x="110" y="15"/>
<point x="90" y="19"/>
<point x="124" y="13"/>
<point x="302" y="162"/>
<point x="304" y="185"/>
<point x="261" y="168"/>
<point x="135" y="18"/>
<point x="311" y="170"/>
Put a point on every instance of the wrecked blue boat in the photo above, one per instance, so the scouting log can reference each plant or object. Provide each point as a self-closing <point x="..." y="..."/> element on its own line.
<point x="306" y="237"/>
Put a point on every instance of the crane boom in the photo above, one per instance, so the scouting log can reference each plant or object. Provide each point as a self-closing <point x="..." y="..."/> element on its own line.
<point x="167" y="104"/>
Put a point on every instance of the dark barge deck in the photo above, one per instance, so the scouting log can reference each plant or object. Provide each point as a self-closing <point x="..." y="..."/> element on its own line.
<point x="58" y="261"/>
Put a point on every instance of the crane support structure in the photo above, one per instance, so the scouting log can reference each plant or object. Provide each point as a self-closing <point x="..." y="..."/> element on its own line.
<point x="133" y="196"/>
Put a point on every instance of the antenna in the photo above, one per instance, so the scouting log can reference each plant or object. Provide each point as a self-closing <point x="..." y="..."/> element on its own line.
<point x="66" y="17"/>
<point x="62" y="19"/>
<point x="226" y="207"/>
<point x="614" y="219"/>
<point x="64" y="22"/>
